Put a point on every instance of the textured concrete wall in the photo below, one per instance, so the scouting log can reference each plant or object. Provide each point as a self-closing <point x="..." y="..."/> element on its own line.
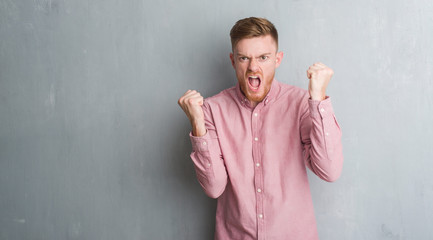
<point x="94" y="146"/>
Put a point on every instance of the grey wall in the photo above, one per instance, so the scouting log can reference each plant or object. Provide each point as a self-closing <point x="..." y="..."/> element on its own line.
<point x="94" y="146"/>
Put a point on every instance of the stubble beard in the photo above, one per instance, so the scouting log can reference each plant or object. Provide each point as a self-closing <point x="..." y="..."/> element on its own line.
<point x="254" y="97"/>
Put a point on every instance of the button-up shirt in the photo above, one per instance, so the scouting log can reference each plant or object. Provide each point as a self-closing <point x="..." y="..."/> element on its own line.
<point x="253" y="160"/>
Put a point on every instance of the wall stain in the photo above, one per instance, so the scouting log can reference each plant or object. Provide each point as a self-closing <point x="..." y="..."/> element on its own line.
<point x="46" y="6"/>
<point x="386" y="232"/>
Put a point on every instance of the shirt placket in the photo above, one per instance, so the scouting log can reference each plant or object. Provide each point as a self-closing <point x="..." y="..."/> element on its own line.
<point x="258" y="173"/>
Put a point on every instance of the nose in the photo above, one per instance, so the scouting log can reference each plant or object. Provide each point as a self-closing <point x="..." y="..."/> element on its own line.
<point x="253" y="66"/>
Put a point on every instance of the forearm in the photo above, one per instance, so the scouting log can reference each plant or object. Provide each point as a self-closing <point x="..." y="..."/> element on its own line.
<point x="209" y="164"/>
<point x="323" y="153"/>
<point x="198" y="127"/>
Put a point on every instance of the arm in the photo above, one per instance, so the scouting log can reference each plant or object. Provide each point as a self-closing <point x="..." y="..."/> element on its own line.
<point x="207" y="158"/>
<point x="321" y="138"/>
<point x="206" y="153"/>
<point x="320" y="132"/>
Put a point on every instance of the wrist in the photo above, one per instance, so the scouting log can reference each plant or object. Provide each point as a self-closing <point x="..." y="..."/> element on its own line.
<point x="198" y="127"/>
<point x="317" y="96"/>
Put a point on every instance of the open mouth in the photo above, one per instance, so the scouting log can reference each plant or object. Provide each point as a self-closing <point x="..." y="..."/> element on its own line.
<point x="254" y="83"/>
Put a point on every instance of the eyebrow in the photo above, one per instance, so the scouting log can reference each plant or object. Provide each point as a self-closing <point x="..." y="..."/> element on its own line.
<point x="241" y="54"/>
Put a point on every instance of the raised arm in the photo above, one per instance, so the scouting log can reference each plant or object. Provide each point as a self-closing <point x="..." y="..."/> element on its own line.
<point x="206" y="152"/>
<point x="321" y="138"/>
<point x="320" y="132"/>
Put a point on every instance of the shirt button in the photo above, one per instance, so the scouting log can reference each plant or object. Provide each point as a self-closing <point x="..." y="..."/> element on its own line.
<point x="204" y="143"/>
<point x="255" y="114"/>
<point x="322" y="109"/>
<point x="327" y="134"/>
<point x="208" y="164"/>
<point x="260" y="215"/>
<point x="258" y="164"/>
<point x="259" y="190"/>
<point x="256" y="139"/>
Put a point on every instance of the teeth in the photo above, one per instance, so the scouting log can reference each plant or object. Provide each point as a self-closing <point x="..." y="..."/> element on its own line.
<point x="254" y="77"/>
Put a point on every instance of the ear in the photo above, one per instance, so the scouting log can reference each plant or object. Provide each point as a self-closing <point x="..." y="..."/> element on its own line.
<point x="279" y="58"/>
<point x="232" y="58"/>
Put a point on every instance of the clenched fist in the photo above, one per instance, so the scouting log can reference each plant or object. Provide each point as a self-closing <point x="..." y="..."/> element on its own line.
<point x="191" y="103"/>
<point x="319" y="75"/>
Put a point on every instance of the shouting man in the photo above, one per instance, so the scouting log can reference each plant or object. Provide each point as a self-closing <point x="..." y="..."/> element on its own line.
<point x="251" y="142"/>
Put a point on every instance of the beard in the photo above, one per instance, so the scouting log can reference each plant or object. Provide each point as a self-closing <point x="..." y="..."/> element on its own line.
<point x="264" y="88"/>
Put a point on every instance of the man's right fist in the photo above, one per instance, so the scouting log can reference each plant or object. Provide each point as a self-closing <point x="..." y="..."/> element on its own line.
<point x="191" y="103"/>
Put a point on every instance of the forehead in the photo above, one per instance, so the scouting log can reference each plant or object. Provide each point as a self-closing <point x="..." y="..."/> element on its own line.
<point x="256" y="45"/>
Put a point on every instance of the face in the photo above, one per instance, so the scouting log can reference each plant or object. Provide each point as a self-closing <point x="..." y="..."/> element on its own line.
<point x="255" y="60"/>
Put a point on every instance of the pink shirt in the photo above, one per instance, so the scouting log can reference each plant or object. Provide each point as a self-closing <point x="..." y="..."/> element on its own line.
<point x="253" y="160"/>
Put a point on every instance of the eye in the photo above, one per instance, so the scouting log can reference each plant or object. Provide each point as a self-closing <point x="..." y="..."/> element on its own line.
<point x="243" y="59"/>
<point x="264" y="58"/>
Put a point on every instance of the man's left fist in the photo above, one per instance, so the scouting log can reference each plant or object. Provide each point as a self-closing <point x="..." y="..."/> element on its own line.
<point x="319" y="75"/>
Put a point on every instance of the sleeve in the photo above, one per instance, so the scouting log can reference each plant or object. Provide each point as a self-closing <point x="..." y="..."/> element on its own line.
<point x="321" y="139"/>
<point x="207" y="158"/>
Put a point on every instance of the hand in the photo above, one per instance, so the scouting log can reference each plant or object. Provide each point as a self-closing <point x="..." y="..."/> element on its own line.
<point x="319" y="75"/>
<point x="191" y="103"/>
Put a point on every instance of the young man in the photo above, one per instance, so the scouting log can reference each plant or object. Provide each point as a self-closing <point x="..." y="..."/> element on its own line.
<point x="251" y="142"/>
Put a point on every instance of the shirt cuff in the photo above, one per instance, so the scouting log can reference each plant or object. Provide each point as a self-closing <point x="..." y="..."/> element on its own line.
<point x="200" y="144"/>
<point x="321" y="108"/>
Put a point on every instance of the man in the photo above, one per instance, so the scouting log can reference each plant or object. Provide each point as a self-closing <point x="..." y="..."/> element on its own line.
<point x="251" y="142"/>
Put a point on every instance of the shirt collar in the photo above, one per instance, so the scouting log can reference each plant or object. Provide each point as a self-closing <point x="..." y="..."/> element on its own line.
<point x="275" y="86"/>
